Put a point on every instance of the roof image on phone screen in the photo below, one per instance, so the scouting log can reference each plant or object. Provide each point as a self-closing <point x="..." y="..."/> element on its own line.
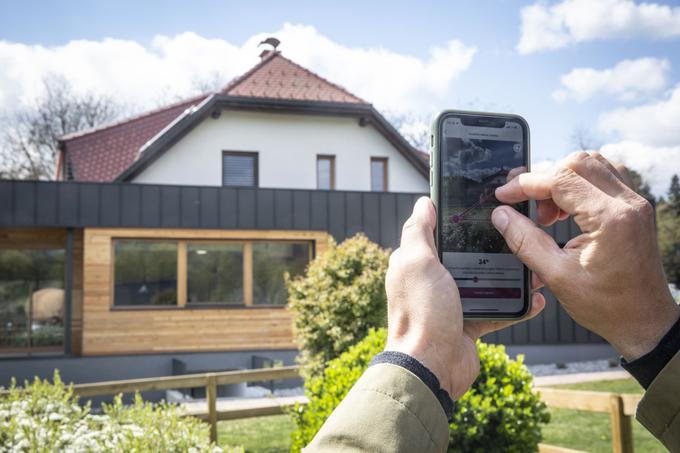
<point x="471" y="171"/>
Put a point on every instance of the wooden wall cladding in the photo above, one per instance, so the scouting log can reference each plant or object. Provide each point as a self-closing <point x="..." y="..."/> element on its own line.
<point x="108" y="330"/>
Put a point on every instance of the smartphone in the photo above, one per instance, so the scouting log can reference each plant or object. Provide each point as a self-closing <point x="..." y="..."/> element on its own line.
<point x="472" y="154"/>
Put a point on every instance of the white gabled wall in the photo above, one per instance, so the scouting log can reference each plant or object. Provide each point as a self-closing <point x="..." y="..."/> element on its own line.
<point x="287" y="146"/>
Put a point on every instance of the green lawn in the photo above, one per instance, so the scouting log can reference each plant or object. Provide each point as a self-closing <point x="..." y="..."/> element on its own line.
<point x="591" y="432"/>
<point x="573" y="429"/>
<point x="258" y="435"/>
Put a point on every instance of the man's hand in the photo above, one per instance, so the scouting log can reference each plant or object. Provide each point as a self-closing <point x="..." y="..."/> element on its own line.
<point x="425" y="318"/>
<point x="610" y="277"/>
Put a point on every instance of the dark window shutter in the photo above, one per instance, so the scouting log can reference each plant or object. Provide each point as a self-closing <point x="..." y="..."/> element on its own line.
<point x="239" y="169"/>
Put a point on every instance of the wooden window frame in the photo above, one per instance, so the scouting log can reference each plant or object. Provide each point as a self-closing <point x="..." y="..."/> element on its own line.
<point x="112" y="274"/>
<point x="183" y="276"/>
<point x="384" y="161"/>
<point x="256" y="170"/>
<point x="331" y="159"/>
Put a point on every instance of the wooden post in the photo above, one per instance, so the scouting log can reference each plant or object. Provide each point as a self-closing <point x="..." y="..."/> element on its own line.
<point x="211" y="397"/>
<point x="622" y="429"/>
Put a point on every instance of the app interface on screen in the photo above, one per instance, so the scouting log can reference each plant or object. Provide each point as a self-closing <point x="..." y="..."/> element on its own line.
<point x="475" y="160"/>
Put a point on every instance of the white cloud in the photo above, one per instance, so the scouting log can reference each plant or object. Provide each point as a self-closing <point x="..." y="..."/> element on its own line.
<point x="657" y="164"/>
<point x="628" y="80"/>
<point x="548" y="27"/>
<point x="140" y="74"/>
<point x="656" y="123"/>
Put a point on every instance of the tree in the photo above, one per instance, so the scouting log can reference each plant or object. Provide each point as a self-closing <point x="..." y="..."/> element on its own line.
<point x="642" y="187"/>
<point x="674" y="195"/>
<point x="668" y="224"/>
<point x="582" y="139"/>
<point x="30" y="139"/>
<point x="414" y="129"/>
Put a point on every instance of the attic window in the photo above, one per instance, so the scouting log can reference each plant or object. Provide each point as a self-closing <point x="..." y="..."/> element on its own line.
<point x="239" y="169"/>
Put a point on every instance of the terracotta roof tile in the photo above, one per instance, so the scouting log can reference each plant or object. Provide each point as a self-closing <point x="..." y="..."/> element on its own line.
<point x="103" y="153"/>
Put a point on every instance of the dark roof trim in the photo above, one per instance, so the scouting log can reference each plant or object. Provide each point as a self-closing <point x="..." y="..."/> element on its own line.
<point x="193" y="116"/>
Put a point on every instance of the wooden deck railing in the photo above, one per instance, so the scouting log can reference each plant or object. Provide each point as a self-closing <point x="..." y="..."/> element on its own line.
<point x="620" y="407"/>
<point x="208" y="380"/>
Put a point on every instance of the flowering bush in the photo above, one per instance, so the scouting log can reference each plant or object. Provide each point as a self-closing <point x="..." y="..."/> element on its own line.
<point x="47" y="417"/>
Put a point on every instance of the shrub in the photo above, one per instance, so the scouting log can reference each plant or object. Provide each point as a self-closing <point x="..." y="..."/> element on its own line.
<point x="47" y="417"/>
<point x="500" y="413"/>
<point x="338" y="300"/>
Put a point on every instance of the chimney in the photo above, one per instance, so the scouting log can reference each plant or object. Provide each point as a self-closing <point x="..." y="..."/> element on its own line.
<point x="271" y="41"/>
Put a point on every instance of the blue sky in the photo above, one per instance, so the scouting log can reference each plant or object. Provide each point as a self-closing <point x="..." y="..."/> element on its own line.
<point x="498" y="76"/>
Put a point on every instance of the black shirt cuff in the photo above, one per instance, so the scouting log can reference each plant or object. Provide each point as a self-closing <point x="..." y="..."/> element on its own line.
<point x="423" y="373"/>
<point x="647" y="367"/>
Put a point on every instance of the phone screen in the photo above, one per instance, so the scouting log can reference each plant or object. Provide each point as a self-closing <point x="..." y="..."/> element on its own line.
<point x="475" y="160"/>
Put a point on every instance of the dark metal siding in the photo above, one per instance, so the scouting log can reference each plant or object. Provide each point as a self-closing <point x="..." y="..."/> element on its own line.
<point x="342" y="214"/>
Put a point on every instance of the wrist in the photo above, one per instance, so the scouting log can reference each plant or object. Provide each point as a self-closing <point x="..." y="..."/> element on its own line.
<point x="426" y="356"/>
<point x="632" y="347"/>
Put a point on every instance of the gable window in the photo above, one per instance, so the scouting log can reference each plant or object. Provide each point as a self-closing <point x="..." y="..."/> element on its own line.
<point x="379" y="174"/>
<point x="325" y="172"/>
<point x="239" y="169"/>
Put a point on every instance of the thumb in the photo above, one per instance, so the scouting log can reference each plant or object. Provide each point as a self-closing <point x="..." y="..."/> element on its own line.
<point x="533" y="246"/>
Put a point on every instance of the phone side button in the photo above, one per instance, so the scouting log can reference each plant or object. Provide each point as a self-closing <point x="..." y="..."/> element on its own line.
<point x="430" y="177"/>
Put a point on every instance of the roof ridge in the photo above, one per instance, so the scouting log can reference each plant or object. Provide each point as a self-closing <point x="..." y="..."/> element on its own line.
<point x="129" y="119"/>
<point x="335" y="85"/>
<point x="233" y="83"/>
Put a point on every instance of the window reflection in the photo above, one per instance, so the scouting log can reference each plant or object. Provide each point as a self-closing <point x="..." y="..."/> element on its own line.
<point x="270" y="261"/>
<point x="215" y="273"/>
<point x="145" y="273"/>
<point x="31" y="300"/>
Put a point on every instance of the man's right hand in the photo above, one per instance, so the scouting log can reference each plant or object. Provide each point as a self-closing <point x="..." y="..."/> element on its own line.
<point x="610" y="277"/>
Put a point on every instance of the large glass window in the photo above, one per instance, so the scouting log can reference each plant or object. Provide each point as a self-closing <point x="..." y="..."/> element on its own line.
<point x="145" y="273"/>
<point x="239" y="169"/>
<point x="31" y="300"/>
<point x="325" y="172"/>
<point x="270" y="261"/>
<point x="379" y="174"/>
<point x="215" y="273"/>
<point x="191" y="273"/>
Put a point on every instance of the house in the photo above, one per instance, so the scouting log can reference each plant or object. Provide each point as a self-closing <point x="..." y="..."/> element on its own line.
<point x="166" y="237"/>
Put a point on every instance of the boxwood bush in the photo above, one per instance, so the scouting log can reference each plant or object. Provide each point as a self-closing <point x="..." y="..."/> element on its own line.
<point x="338" y="300"/>
<point x="46" y="417"/>
<point x="500" y="413"/>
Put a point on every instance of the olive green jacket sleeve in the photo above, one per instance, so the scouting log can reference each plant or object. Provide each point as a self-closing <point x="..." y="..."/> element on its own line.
<point x="659" y="410"/>
<point x="389" y="409"/>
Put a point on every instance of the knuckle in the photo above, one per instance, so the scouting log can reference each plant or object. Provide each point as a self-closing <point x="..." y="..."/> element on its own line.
<point x="410" y="224"/>
<point x="516" y="240"/>
<point x="576" y="157"/>
<point x="644" y="208"/>
<point x="564" y="176"/>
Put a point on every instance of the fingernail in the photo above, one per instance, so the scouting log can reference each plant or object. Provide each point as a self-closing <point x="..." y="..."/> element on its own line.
<point x="500" y="219"/>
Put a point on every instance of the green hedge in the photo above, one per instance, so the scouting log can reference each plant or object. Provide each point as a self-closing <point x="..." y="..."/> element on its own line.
<point x="500" y="413"/>
<point x="338" y="300"/>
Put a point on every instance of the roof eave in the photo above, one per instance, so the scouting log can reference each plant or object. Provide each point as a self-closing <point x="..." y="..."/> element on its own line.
<point x="155" y="148"/>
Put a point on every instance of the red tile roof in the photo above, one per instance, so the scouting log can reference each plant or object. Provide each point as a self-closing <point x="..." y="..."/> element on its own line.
<point x="276" y="77"/>
<point x="103" y="153"/>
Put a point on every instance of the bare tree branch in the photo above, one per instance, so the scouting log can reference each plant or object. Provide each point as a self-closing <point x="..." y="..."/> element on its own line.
<point x="413" y="128"/>
<point x="30" y="137"/>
